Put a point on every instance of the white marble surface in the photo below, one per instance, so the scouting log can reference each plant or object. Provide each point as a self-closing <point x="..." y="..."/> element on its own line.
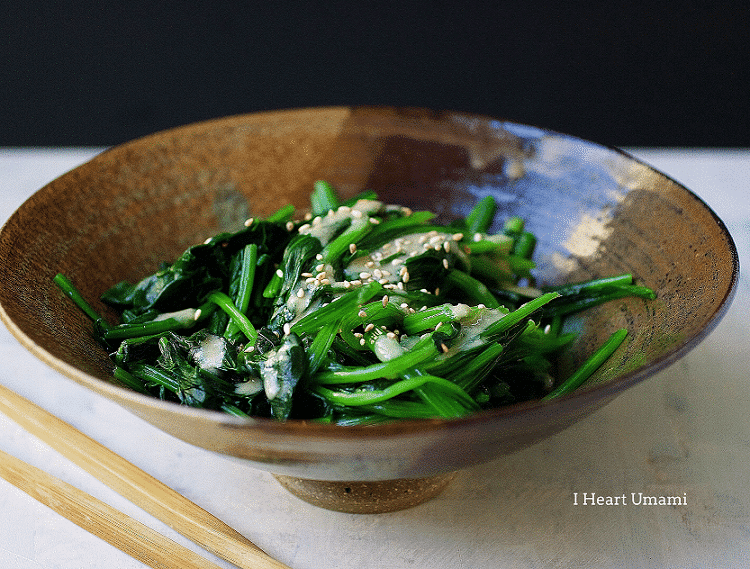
<point x="685" y="432"/>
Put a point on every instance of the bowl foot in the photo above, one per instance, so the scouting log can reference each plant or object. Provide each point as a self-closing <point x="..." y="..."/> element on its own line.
<point x="366" y="497"/>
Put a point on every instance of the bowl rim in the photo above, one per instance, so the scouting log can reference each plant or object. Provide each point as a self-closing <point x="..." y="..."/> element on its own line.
<point x="581" y="398"/>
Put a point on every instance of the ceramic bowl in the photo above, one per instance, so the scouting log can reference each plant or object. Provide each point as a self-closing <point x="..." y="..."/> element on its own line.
<point x="596" y="211"/>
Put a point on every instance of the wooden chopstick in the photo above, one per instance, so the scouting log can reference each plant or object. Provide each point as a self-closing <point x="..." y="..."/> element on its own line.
<point x="128" y="535"/>
<point x="141" y="488"/>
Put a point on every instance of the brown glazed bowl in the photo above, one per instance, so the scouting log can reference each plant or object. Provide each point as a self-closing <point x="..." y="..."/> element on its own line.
<point x="595" y="210"/>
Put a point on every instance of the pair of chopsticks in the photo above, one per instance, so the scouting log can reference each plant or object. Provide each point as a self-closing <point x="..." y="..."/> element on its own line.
<point x="104" y="521"/>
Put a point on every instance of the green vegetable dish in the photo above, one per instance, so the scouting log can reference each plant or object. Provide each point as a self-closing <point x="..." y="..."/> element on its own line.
<point x="360" y="313"/>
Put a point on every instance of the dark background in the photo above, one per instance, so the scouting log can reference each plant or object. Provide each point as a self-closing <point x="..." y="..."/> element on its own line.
<point x="82" y="73"/>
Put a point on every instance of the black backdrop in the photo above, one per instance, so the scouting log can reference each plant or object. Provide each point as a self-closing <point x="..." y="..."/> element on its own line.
<point x="102" y="73"/>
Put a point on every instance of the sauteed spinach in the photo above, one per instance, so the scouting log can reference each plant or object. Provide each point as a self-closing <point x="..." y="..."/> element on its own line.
<point x="358" y="313"/>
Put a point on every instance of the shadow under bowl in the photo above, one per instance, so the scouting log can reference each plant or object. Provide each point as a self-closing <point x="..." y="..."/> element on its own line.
<point x="596" y="211"/>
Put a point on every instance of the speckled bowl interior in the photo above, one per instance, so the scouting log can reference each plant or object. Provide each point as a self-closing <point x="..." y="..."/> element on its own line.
<point x="595" y="210"/>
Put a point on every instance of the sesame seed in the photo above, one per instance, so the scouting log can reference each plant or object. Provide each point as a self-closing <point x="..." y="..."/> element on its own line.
<point x="287" y="328"/>
<point x="362" y="314"/>
<point x="249" y="221"/>
<point x="447" y="246"/>
<point x="289" y="225"/>
<point x="352" y="248"/>
<point x="370" y="264"/>
<point x="383" y="281"/>
<point x="325" y="281"/>
<point x="317" y="220"/>
<point x="445" y="263"/>
<point x="422" y="239"/>
<point x="374" y="221"/>
<point x="345" y="209"/>
<point x="347" y="284"/>
<point x="320" y="268"/>
<point x="437" y="291"/>
<point x="405" y="277"/>
<point x="439" y="324"/>
<point x="457" y="236"/>
<point x="356" y="282"/>
<point x="306" y="275"/>
<point x="207" y="241"/>
<point x="304" y="228"/>
<point x="443" y="347"/>
<point x="387" y="285"/>
<point x="357" y="213"/>
<point x="369" y="327"/>
<point x="385" y="301"/>
<point x="330" y="213"/>
<point x="301" y="293"/>
<point x="308" y="216"/>
<point x="477" y="237"/>
<point x="404" y="305"/>
<point x="436" y="239"/>
<point x="310" y="280"/>
<point x="391" y="335"/>
<point x="400" y="285"/>
<point x="362" y="342"/>
<point x="386" y="273"/>
<point x="197" y="314"/>
<point x="364" y="275"/>
<point x="249" y="349"/>
<point x="280" y="273"/>
<point x="319" y="257"/>
<point x="377" y="273"/>
<point x="358" y="334"/>
<point x="480" y="305"/>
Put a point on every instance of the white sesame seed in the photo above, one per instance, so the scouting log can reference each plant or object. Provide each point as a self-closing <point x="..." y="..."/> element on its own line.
<point x="280" y="273"/>
<point x="457" y="236"/>
<point x="310" y="280"/>
<point x="369" y="327"/>
<point x="447" y="246"/>
<point x="358" y="334"/>
<point x="304" y="228"/>
<point x="356" y="282"/>
<point x="325" y="282"/>
<point x="377" y="273"/>
<point x="370" y="264"/>
<point x="404" y="305"/>
<point x="383" y="281"/>
<point x="385" y="301"/>
<point x="347" y="284"/>
<point x="423" y="238"/>
<point x="319" y="257"/>
<point x="436" y="239"/>
<point x="362" y="342"/>
<point x="437" y="291"/>
<point x="362" y="314"/>
<point x="207" y="241"/>
<point x="387" y="285"/>
<point x="330" y="213"/>
<point x="374" y="221"/>
<point x="320" y="268"/>
<point x="249" y="221"/>
<point x="345" y="209"/>
<point x="289" y="225"/>
<point x="405" y="277"/>
<point x="477" y="237"/>
<point x="391" y="335"/>
<point x="301" y="293"/>
<point x="357" y="213"/>
<point x="249" y="349"/>
<point x="480" y="305"/>
<point x="287" y="328"/>
<point x="306" y="275"/>
<point x="197" y="314"/>
<point x="317" y="220"/>
<point x="308" y="216"/>
<point x="364" y="275"/>
<point x="352" y="248"/>
<point x="445" y="263"/>
<point x="400" y="285"/>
